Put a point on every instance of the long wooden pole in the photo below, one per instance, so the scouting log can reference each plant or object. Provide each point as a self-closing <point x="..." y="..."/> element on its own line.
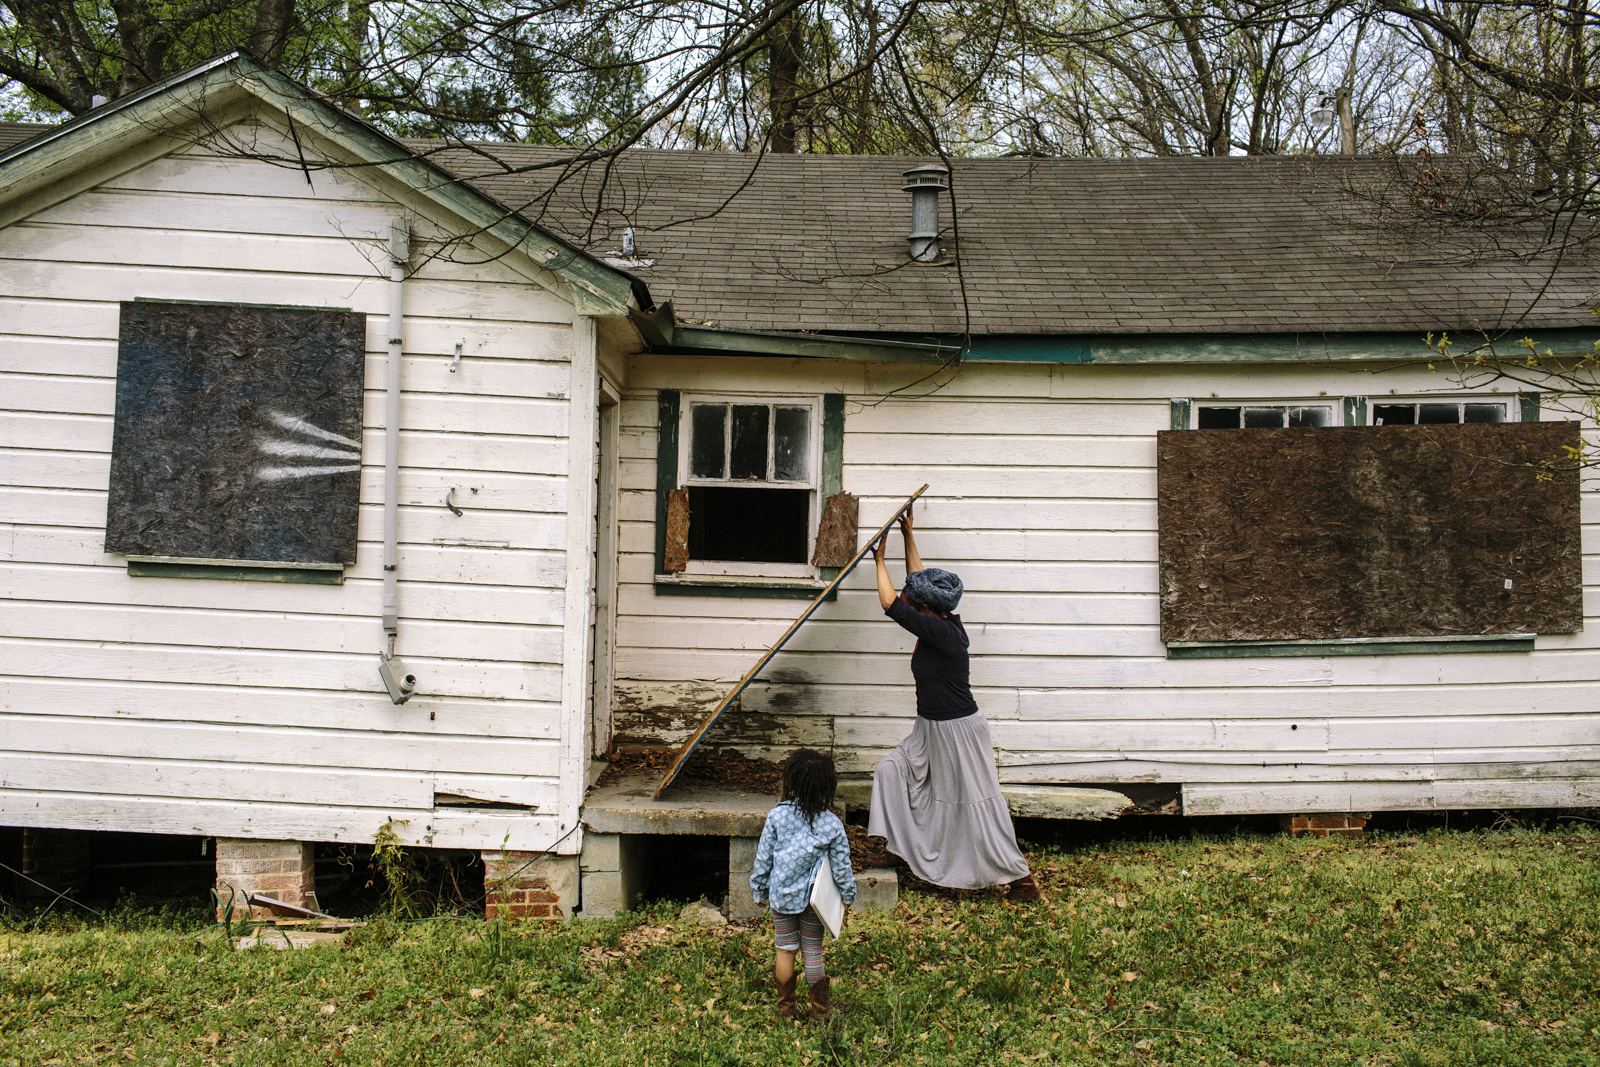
<point x="683" y="753"/>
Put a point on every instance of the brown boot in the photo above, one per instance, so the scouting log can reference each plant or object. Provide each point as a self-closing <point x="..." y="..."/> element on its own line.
<point x="1023" y="890"/>
<point x="786" y="1005"/>
<point x="820" y="1007"/>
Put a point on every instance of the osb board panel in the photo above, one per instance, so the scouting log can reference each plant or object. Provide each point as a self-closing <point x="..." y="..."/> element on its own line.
<point x="677" y="530"/>
<point x="1367" y="532"/>
<point x="837" y="533"/>
<point x="238" y="433"/>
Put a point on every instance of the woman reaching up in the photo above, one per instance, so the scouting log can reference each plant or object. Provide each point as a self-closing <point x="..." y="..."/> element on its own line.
<point x="936" y="798"/>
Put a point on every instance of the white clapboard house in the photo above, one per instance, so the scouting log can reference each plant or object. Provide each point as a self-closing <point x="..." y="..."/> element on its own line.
<point x="207" y="557"/>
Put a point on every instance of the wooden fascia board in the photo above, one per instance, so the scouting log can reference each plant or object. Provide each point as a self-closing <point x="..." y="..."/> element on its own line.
<point x="43" y="174"/>
<point x="805" y="345"/>
<point x="1309" y="347"/>
<point x="595" y="288"/>
<point x="161" y="113"/>
<point x="484" y="242"/>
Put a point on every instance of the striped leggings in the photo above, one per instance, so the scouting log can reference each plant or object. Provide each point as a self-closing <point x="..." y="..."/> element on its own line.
<point x="802" y="932"/>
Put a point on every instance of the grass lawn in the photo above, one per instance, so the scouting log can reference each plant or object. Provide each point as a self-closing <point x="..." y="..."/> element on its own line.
<point x="1437" y="948"/>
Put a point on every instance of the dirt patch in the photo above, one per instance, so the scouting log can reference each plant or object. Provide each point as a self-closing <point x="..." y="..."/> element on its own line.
<point x="722" y="767"/>
<point x="867" y="851"/>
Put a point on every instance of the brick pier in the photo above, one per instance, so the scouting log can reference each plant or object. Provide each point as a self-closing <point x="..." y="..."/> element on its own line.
<point x="282" y="870"/>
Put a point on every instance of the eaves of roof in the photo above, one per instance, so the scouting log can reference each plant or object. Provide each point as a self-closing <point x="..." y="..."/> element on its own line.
<point x="40" y="163"/>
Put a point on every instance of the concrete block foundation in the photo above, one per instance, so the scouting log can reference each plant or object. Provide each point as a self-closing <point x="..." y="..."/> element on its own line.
<point x="741" y="861"/>
<point x="877" y="889"/>
<point x="283" y="870"/>
<point x="625" y="827"/>
<point x="609" y="867"/>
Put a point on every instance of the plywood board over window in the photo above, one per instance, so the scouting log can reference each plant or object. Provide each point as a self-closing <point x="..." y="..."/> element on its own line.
<point x="1325" y="534"/>
<point x="238" y="433"/>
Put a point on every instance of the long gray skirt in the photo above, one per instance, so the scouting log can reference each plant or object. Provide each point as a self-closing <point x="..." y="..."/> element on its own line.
<point x="937" y="800"/>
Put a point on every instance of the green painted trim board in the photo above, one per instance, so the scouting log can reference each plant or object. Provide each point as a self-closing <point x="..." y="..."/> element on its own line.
<point x="1355" y="646"/>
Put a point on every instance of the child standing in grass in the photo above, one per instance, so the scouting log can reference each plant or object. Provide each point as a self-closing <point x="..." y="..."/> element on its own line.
<point x="799" y="833"/>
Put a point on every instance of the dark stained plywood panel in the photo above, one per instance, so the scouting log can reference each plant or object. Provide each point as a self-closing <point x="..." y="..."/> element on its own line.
<point x="238" y="433"/>
<point x="1367" y="532"/>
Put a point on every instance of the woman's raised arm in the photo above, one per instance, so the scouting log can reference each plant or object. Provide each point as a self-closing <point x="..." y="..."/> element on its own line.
<point x="913" y="557"/>
<point x="886" y="593"/>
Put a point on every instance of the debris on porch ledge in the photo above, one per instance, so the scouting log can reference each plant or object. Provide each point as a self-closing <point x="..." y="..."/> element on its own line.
<point x="624" y="803"/>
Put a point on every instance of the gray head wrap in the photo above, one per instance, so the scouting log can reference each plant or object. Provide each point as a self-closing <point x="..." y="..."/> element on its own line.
<point x="939" y="590"/>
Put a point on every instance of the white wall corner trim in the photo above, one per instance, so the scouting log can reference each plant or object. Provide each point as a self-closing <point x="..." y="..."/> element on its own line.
<point x="578" y="629"/>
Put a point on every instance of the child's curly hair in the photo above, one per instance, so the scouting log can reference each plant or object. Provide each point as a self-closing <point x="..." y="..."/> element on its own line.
<point x="810" y="781"/>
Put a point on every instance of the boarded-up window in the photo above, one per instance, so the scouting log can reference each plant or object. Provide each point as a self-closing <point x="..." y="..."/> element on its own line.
<point x="238" y="433"/>
<point x="1286" y="534"/>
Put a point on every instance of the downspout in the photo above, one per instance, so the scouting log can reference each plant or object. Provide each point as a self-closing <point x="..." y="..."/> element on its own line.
<point x="396" y="679"/>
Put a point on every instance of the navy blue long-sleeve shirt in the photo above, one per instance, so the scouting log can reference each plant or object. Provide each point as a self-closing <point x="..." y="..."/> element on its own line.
<point x="939" y="664"/>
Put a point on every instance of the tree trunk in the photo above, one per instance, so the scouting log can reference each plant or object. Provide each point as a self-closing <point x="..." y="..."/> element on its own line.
<point x="783" y="71"/>
<point x="271" y="31"/>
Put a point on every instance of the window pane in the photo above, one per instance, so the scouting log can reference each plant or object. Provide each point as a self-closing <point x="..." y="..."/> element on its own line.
<point x="1308" y="417"/>
<point x="747" y="458"/>
<point x="1485" y="413"/>
<point x="791" y="445"/>
<point x="1439" y="414"/>
<point x="708" y="441"/>
<point x="1394" y="414"/>
<point x="1262" y="418"/>
<point x="1218" y="419"/>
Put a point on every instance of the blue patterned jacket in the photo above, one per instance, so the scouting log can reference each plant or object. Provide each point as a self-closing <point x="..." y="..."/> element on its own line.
<point x="788" y="856"/>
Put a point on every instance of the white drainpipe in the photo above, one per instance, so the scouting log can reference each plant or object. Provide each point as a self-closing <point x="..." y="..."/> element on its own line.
<point x="396" y="679"/>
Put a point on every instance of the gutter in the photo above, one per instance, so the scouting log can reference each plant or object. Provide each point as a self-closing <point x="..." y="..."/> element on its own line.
<point x="716" y="339"/>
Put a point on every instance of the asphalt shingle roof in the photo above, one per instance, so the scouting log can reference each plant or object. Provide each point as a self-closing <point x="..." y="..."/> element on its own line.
<point x="1045" y="246"/>
<point x="14" y="133"/>
<point x="1039" y="246"/>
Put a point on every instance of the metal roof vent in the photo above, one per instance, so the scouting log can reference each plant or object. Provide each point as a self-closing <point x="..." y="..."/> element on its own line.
<point x="925" y="184"/>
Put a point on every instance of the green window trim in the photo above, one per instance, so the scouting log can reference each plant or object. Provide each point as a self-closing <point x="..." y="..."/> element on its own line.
<point x="1352" y="646"/>
<point x="234" y="572"/>
<point x="1530" y="406"/>
<point x="1181" y="417"/>
<point x="669" y="409"/>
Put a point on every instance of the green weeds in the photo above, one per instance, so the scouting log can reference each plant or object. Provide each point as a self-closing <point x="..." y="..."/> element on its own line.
<point x="1434" y="950"/>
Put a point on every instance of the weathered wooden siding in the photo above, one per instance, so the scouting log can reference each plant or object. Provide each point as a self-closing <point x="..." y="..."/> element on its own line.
<point x="1043" y="498"/>
<point x="255" y="709"/>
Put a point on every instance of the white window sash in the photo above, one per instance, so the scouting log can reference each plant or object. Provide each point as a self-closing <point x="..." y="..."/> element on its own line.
<point x="713" y="568"/>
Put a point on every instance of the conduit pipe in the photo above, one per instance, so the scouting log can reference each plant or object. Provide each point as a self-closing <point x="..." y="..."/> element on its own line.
<point x="400" y="683"/>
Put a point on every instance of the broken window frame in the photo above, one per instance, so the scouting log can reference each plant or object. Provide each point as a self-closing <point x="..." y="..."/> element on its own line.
<point x="812" y="483"/>
<point x="1329" y="404"/>
<point x="1458" y="400"/>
